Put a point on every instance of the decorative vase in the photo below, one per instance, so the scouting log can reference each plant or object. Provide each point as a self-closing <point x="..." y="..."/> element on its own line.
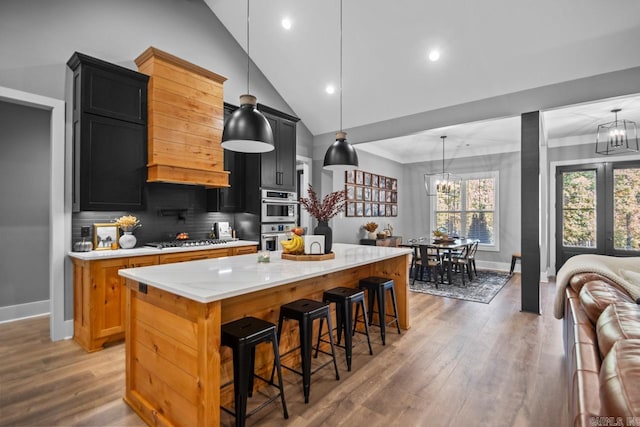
<point x="372" y="235"/>
<point x="127" y="240"/>
<point x="324" y="230"/>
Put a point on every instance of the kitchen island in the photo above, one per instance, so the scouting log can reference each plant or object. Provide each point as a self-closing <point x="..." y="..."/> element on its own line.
<point x="174" y="362"/>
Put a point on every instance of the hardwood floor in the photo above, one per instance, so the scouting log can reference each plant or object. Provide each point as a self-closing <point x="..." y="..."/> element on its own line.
<point x="461" y="363"/>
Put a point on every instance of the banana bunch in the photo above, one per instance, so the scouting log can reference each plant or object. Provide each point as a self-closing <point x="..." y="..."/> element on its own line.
<point x="294" y="246"/>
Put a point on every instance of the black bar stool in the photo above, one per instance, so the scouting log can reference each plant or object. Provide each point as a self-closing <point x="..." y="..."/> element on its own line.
<point x="376" y="288"/>
<point x="344" y="299"/>
<point x="242" y="336"/>
<point x="305" y="311"/>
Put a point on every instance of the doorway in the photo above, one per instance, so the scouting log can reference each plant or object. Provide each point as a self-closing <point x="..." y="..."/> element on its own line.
<point x="59" y="207"/>
<point x="303" y="169"/>
<point x="598" y="210"/>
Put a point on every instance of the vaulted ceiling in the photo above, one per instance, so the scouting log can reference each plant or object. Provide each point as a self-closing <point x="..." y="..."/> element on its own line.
<point x="487" y="49"/>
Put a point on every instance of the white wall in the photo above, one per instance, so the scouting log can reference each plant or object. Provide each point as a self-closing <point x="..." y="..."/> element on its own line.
<point x="349" y="229"/>
<point x="508" y="167"/>
<point x="25" y="172"/>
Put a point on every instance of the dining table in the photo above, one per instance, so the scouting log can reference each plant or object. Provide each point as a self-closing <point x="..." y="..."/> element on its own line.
<point x="446" y="246"/>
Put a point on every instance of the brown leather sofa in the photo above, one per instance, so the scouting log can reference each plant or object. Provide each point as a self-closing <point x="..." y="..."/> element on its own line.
<point x="602" y="348"/>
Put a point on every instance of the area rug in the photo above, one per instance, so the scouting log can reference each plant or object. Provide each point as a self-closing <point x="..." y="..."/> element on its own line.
<point x="484" y="287"/>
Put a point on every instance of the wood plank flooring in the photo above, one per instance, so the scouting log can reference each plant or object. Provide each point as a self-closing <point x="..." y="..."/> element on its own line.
<point x="461" y="363"/>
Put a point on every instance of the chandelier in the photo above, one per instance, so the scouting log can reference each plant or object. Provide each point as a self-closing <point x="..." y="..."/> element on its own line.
<point x="441" y="183"/>
<point x="618" y="136"/>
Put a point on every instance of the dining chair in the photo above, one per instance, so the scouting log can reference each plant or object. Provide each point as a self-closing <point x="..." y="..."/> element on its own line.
<point x="415" y="256"/>
<point x="431" y="260"/>
<point x="472" y="256"/>
<point x="464" y="261"/>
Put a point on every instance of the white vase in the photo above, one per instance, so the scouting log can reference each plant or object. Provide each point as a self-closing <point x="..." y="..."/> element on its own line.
<point x="372" y="235"/>
<point x="127" y="240"/>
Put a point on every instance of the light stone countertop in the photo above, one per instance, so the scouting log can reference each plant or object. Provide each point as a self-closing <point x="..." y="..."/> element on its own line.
<point x="121" y="253"/>
<point x="219" y="278"/>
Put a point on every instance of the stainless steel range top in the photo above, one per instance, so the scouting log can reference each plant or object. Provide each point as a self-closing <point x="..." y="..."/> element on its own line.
<point x="186" y="243"/>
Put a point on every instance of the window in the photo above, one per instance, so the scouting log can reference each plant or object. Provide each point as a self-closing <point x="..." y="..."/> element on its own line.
<point x="471" y="209"/>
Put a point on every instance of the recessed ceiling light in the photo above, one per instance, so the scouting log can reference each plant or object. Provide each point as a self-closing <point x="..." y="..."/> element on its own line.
<point x="330" y="89"/>
<point x="286" y="23"/>
<point x="434" y="55"/>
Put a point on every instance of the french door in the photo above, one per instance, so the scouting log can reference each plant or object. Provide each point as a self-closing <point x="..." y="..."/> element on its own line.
<point x="597" y="210"/>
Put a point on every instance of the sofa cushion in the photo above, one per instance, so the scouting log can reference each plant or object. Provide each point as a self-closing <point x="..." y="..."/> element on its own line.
<point x="617" y="322"/>
<point x="596" y="295"/>
<point x="578" y="280"/>
<point x="619" y="379"/>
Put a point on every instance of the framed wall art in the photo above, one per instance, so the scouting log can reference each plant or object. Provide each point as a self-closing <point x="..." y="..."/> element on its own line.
<point x="104" y="235"/>
<point x="370" y="194"/>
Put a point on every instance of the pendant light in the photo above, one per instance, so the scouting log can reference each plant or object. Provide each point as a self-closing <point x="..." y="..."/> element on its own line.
<point x="443" y="183"/>
<point x="618" y="136"/>
<point x="247" y="130"/>
<point x="341" y="155"/>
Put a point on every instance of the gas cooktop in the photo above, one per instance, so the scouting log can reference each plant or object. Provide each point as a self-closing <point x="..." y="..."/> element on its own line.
<point x="186" y="243"/>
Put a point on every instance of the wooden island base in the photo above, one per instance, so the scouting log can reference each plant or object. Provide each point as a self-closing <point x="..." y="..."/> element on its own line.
<point x="174" y="363"/>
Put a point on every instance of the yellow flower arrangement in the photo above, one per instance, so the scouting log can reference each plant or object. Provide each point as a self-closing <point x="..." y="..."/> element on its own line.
<point x="371" y="226"/>
<point x="128" y="223"/>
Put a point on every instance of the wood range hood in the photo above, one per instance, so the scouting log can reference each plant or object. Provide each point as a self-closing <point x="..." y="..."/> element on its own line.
<point x="186" y="118"/>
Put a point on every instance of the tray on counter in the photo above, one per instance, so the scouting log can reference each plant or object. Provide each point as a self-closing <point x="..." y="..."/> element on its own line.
<point x="305" y="257"/>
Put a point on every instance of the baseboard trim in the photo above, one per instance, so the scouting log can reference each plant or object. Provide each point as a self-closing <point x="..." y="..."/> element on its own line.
<point x="499" y="266"/>
<point x="12" y="313"/>
<point x="68" y="329"/>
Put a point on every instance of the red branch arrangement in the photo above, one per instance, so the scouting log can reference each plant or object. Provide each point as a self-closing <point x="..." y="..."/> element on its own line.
<point x="332" y="204"/>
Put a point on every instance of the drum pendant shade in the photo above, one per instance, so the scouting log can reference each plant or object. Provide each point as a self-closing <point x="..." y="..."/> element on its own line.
<point x="247" y="130"/>
<point x="341" y="155"/>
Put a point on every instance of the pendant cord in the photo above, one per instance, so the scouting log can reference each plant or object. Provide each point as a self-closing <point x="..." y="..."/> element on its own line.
<point x="443" y="137"/>
<point x="248" y="56"/>
<point x="341" y="66"/>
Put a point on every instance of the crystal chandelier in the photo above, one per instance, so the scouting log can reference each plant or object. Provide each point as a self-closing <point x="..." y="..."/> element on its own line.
<point x="441" y="183"/>
<point x="618" y="136"/>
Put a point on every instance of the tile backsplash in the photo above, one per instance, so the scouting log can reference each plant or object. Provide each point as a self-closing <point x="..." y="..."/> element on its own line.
<point x="155" y="227"/>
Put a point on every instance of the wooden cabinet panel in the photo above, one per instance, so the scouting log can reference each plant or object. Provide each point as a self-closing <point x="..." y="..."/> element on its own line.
<point x="392" y="241"/>
<point x="99" y="298"/>
<point x="107" y="310"/>
<point x="243" y="250"/>
<point x="185" y="107"/>
<point x="182" y="257"/>
<point x="195" y="255"/>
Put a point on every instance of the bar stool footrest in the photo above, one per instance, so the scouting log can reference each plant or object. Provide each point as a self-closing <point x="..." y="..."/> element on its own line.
<point x="262" y="405"/>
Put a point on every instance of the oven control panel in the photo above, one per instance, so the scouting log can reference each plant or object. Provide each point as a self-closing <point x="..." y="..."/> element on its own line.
<point x="277" y="228"/>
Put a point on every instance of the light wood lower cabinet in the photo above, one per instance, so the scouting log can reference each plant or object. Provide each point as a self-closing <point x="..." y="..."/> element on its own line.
<point x="99" y="298"/>
<point x="193" y="256"/>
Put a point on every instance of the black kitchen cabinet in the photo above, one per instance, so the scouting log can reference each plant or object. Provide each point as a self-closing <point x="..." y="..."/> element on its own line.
<point x="109" y="135"/>
<point x="230" y="199"/>
<point x="278" y="167"/>
<point x="250" y="172"/>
